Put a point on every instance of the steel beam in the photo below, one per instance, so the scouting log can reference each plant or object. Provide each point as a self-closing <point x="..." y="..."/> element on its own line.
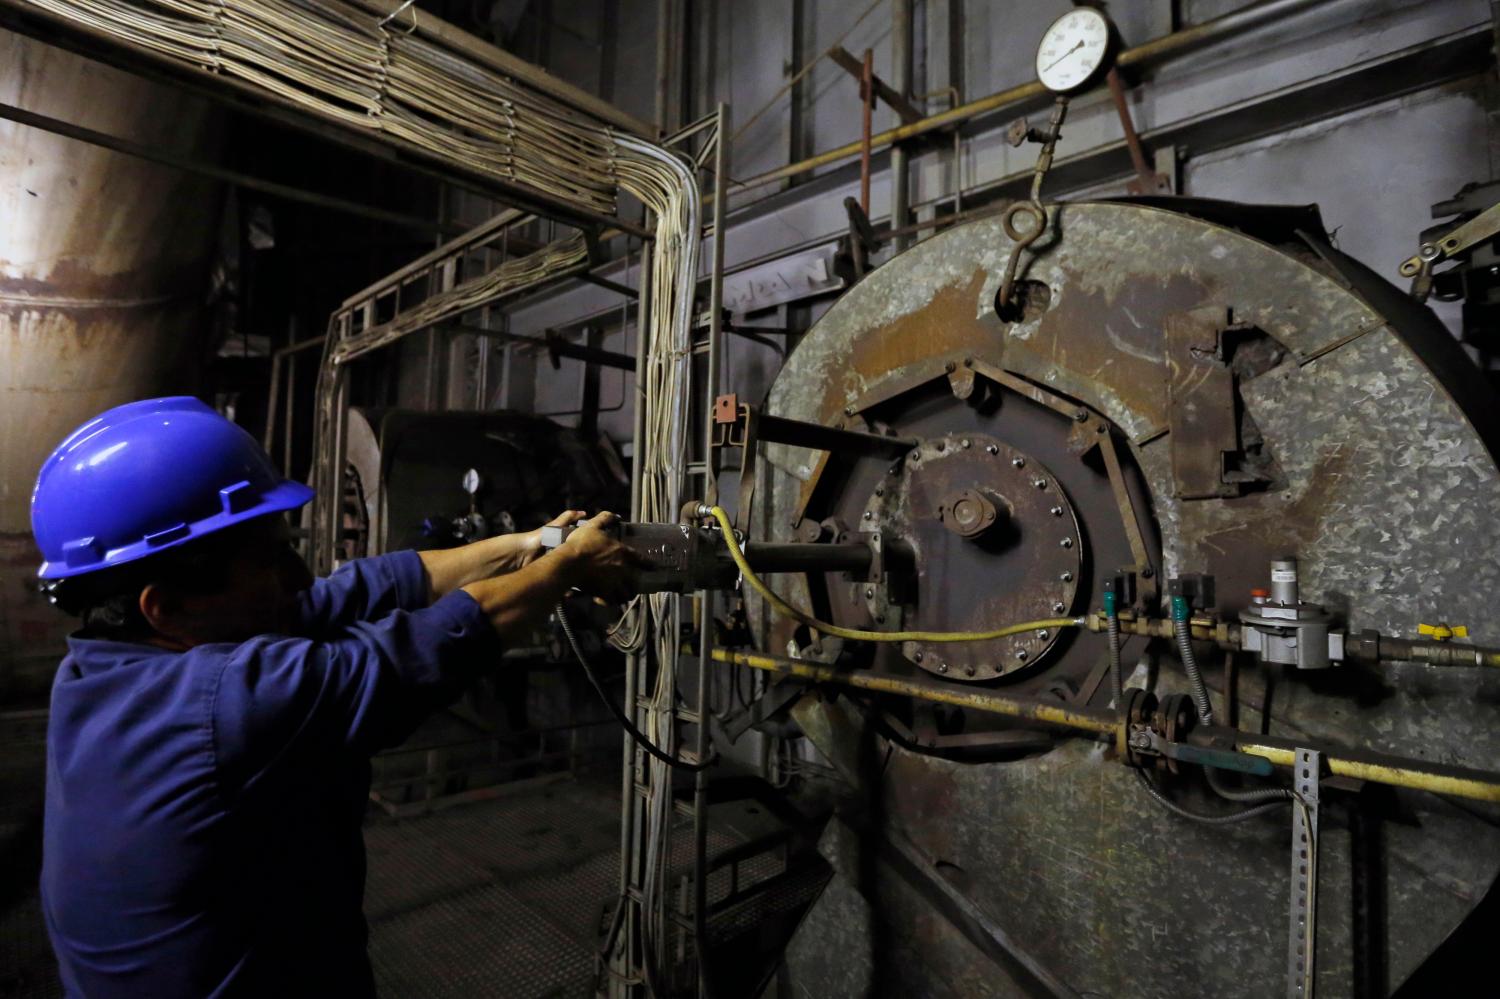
<point x="286" y="192"/>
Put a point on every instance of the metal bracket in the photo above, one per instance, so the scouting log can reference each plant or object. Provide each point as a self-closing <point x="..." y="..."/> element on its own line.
<point x="1303" y="929"/>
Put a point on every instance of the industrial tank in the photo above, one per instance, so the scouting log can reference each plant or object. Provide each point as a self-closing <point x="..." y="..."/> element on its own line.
<point x="103" y="260"/>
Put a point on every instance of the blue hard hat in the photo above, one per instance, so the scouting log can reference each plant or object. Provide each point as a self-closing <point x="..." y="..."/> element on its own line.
<point x="147" y="476"/>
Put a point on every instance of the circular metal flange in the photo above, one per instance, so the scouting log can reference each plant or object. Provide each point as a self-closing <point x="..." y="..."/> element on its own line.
<point x="1020" y="561"/>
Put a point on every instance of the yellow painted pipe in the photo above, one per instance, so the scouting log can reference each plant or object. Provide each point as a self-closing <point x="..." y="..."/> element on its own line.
<point x="1417" y="775"/>
<point x="980" y="699"/>
<point x="1475" y="784"/>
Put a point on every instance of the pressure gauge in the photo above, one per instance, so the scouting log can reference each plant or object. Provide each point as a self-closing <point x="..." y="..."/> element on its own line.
<point x="1076" y="50"/>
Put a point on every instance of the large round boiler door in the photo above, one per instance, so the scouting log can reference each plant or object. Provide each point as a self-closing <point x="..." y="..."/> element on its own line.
<point x="994" y="541"/>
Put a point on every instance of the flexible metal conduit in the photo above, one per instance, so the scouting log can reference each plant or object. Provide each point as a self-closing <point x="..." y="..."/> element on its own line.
<point x="1179" y="43"/>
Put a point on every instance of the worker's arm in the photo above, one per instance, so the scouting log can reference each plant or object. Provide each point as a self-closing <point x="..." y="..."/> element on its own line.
<point x="590" y="560"/>
<point x="282" y="701"/>
<point x="449" y="569"/>
<point x="367" y="589"/>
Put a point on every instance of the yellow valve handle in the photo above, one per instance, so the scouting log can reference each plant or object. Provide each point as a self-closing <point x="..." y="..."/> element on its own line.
<point x="1442" y="631"/>
<point x="787" y="610"/>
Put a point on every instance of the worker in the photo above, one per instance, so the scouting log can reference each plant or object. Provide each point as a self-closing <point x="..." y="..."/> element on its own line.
<point x="208" y="750"/>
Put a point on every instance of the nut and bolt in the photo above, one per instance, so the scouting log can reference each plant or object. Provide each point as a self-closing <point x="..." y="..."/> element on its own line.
<point x="1018" y="462"/>
<point x="868" y="515"/>
<point x="880" y="619"/>
<point x="965" y="443"/>
<point x="1080" y="415"/>
<point x="1039" y="483"/>
<point x="1141" y="740"/>
<point x="1066" y="577"/>
<point x="1066" y="542"/>
<point x="942" y="667"/>
<point x="940" y="445"/>
<point x="918" y="657"/>
<point x="950" y="367"/>
<point x="992" y="449"/>
<point x="1059" y="607"/>
<point x="1057" y="511"/>
<point x="848" y="410"/>
<point x="869" y="593"/>
<point x="916" y="456"/>
<point x="880" y="490"/>
<point x="1022" y="655"/>
<point x="968" y="362"/>
<point x="1044" y="634"/>
<point x="968" y="670"/>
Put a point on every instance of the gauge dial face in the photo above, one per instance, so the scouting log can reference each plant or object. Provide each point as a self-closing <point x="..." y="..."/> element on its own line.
<point x="1073" y="50"/>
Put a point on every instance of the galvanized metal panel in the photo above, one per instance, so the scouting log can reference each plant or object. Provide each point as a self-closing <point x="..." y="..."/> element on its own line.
<point x="1391" y="498"/>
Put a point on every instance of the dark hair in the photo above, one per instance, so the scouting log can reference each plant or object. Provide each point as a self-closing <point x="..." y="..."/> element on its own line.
<point x="109" y="601"/>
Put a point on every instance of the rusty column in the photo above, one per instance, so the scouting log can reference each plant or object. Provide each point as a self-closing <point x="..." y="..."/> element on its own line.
<point x="866" y="94"/>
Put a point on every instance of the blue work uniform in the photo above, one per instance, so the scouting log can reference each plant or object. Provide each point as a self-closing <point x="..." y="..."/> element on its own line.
<point x="202" y="832"/>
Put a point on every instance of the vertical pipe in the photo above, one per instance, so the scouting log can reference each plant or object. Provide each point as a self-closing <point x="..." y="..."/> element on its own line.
<point x="630" y="824"/>
<point x="901" y="60"/>
<point x="665" y="19"/>
<point x="866" y="94"/>
<point x="710" y="494"/>
<point x="290" y="415"/>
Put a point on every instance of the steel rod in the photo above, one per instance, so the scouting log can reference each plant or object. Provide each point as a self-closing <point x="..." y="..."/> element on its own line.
<point x="780" y="430"/>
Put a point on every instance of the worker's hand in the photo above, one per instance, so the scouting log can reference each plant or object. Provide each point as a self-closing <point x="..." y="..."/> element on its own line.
<point x="528" y="546"/>
<point x="600" y="565"/>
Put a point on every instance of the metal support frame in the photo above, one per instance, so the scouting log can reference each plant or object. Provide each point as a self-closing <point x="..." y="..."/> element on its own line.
<point x="688" y="713"/>
<point x="287" y="400"/>
<point x="1302" y="934"/>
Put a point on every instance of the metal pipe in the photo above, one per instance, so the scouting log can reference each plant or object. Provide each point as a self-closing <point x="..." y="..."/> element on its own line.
<point x="1378" y="768"/>
<point x="792" y="556"/>
<point x="901" y="58"/>
<point x="1053" y="713"/>
<point x="867" y="95"/>
<point x="277" y="356"/>
<point x="1158" y="50"/>
<point x="706" y="597"/>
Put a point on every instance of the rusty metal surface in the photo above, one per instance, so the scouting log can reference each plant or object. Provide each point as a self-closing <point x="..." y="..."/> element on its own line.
<point x="103" y="260"/>
<point x="1029" y="558"/>
<point x="1203" y="423"/>
<point x="1380" y="482"/>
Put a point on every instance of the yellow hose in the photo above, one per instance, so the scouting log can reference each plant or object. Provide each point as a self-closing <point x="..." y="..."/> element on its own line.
<point x="787" y="610"/>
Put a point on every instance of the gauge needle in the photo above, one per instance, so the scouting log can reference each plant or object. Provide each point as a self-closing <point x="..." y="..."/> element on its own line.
<point x="1065" y="55"/>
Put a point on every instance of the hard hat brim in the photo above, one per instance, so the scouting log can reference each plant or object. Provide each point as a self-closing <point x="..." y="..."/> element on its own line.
<point x="286" y="495"/>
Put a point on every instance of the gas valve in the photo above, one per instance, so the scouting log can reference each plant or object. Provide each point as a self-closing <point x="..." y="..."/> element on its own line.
<point x="1280" y="627"/>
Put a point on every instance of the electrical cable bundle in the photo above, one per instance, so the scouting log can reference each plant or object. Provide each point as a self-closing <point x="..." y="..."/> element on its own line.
<point x="345" y="63"/>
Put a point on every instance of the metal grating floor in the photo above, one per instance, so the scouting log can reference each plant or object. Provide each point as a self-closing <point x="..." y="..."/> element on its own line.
<point x="497" y="898"/>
